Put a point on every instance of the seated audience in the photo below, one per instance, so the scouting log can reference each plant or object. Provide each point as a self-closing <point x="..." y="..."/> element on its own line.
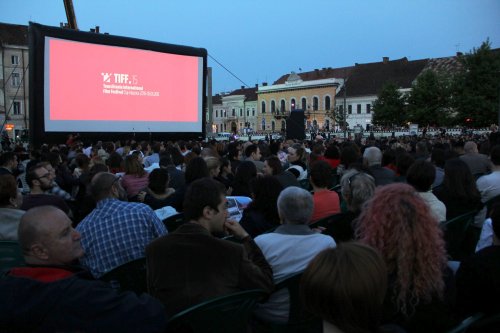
<point x="196" y="168"/>
<point x="116" y="231"/>
<point x="421" y="176"/>
<point x="158" y="194"/>
<point x="297" y="158"/>
<point x="478" y="287"/>
<point x="51" y="295"/>
<point x="225" y="176"/>
<point x="326" y="202"/>
<point x="135" y="178"/>
<point x="10" y="203"/>
<point x="245" y="172"/>
<point x="261" y="214"/>
<point x="289" y="248"/>
<point x="273" y="167"/>
<point x="346" y="287"/>
<point x="41" y="180"/>
<point x="372" y="158"/>
<point x="458" y="191"/>
<point x="398" y="223"/>
<point x="190" y="265"/>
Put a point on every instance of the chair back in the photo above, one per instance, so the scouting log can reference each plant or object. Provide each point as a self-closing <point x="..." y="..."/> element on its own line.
<point x="11" y="255"/>
<point x="455" y="231"/>
<point x="130" y="276"/>
<point x="225" y="314"/>
<point x="338" y="226"/>
<point x="174" y="221"/>
<point x="466" y="323"/>
<point x="489" y="204"/>
<point x="299" y="321"/>
<point x="487" y="324"/>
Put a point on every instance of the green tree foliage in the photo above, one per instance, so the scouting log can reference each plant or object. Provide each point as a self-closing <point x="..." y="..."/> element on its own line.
<point x="429" y="100"/>
<point x="389" y="108"/>
<point x="476" y="89"/>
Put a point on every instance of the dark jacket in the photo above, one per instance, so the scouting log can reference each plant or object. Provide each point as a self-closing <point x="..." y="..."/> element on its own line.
<point x="255" y="223"/>
<point x="190" y="265"/>
<point x="66" y="299"/>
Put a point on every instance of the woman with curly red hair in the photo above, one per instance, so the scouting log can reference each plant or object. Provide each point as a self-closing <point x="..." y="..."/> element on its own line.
<point x="398" y="223"/>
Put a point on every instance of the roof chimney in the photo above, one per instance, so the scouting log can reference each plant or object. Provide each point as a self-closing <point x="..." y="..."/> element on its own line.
<point x="264" y="84"/>
<point x="385" y="60"/>
<point x="242" y="87"/>
<point x="97" y="29"/>
<point x="256" y="85"/>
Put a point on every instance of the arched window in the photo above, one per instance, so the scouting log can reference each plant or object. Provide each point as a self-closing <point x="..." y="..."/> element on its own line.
<point x="327" y="103"/>
<point x="304" y="104"/>
<point x="216" y="113"/>
<point x="273" y="125"/>
<point x="282" y="105"/>
<point x="315" y="103"/>
<point x="283" y="125"/>
<point x="263" y="124"/>
<point x="273" y="107"/>
<point x="292" y="104"/>
<point x="263" y="107"/>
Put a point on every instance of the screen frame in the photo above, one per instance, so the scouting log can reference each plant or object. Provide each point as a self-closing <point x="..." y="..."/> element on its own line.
<point x="37" y="37"/>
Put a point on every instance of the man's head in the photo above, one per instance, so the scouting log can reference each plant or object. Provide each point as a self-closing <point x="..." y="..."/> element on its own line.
<point x="205" y="203"/>
<point x="39" y="178"/>
<point x="470" y="147"/>
<point x="47" y="237"/>
<point x="372" y="156"/>
<point x="295" y="205"/>
<point x="106" y="185"/>
<point x="8" y="160"/>
<point x="253" y="152"/>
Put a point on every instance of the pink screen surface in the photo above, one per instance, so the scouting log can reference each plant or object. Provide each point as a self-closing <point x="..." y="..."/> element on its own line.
<point x="103" y="83"/>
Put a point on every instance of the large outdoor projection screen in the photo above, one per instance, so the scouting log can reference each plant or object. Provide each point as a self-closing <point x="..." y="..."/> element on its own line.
<point x="107" y="86"/>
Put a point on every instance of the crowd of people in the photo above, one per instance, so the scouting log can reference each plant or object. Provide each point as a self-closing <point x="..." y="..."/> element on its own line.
<point x="80" y="210"/>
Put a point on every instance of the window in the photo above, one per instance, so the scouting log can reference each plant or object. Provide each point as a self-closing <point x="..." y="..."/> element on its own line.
<point x="282" y="106"/>
<point x="216" y="113"/>
<point x="283" y="125"/>
<point x="303" y="104"/>
<point x="341" y="108"/>
<point x="15" y="60"/>
<point x="358" y="108"/>
<point x="327" y="103"/>
<point x="253" y="111"/>
<point x="248" y="112"/>
<point x="349" y="109"/>
<point x="241" y="125"/>
<point x="273" y="107"/>
<point x="273" y="126"/>
<point x="263" y="124"/>
<point x="16" y="107"/>
<point x="292" y="104"/>
<point x="15" y="79"/>
<point x="263" y="107"/>
<point x="368" y="108"/>
<point x="315" y="103"/>
<point x="241" y="112"/>
<point x="233" y="113"/>
<point x="225" y="127"/>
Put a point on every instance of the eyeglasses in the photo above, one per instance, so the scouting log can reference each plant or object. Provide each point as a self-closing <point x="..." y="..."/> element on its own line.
<point x="44" y="176"/>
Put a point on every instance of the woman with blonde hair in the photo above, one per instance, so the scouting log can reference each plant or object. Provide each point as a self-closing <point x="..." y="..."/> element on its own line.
<point x="399" y="224"/>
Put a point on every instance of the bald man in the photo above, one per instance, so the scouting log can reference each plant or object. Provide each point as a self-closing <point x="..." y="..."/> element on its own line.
<point x="51" y="295"/>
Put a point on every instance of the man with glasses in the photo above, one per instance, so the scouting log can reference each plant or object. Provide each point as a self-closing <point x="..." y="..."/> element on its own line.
<point x="40" y="180"/>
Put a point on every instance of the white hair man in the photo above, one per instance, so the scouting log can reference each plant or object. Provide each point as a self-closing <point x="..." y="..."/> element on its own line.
<point x="372" y="158"/>
<point x="290" y="247"/>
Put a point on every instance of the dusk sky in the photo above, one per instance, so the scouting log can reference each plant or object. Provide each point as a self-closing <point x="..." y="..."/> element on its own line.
<point x="261" y="40"/>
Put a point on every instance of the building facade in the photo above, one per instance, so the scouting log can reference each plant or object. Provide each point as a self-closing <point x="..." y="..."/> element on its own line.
<point x="235" y="112"/>
<point x="14" y="85"/>
<point x="312" y="92"/>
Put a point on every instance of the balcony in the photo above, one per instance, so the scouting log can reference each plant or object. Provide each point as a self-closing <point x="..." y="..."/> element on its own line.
<point x="281" y="114"/>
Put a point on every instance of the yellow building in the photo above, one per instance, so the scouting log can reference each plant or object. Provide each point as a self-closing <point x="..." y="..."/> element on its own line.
<point x="313" y="92"/>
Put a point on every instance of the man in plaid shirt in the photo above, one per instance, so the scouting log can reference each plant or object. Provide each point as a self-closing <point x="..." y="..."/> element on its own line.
<point x="116" y="231"/>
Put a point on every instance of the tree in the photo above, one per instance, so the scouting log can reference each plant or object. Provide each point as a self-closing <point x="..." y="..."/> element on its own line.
<point x="476" y="87"/>
<point x="389" y="107"/>
<point x="429" y="100"/>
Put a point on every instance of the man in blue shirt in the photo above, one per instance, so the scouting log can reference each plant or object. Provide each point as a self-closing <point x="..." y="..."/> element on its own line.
<point x="116" y="231"/>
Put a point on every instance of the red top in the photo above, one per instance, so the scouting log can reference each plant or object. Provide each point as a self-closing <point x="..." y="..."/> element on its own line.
<point x="326" y="203"/>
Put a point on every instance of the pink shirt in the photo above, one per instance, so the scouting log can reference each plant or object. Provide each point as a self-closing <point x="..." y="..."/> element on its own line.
<point x="326" y="203"/>
<point x="133" y="184"/>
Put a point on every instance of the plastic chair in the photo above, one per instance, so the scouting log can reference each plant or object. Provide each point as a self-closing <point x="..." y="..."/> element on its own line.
<point x="455" y="231"/>
<point x="299" y="321"/>
<point x="174" y="221"/>
<point x="11" y="255"/>
<point x="466" y="323"/>
<point x="225" y="314"/>
<point x="130" y="276"/>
